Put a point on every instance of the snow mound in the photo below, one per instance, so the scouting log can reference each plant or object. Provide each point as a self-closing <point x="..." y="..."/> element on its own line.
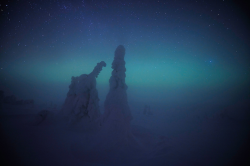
<point x="44" y="117"/>
<point x="238" y="112"/>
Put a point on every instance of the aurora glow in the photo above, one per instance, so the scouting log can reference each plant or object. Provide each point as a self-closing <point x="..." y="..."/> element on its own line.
<point x="168" y="46"/>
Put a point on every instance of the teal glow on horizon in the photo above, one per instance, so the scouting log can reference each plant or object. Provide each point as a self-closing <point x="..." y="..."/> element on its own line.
<point x="151" y="72"/>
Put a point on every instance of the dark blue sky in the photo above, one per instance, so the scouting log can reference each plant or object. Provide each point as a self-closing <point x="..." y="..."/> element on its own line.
<point x="171" y="46"/>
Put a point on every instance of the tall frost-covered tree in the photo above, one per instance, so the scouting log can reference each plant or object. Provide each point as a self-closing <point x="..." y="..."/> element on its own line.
<point x="117" y="113"/>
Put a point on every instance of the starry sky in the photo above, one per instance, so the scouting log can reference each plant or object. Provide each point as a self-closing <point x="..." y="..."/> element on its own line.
<point x="175" y="49"/>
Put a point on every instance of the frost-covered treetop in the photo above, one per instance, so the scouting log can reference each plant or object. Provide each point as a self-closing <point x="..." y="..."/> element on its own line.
<point x="120" y="52"/>
<point x="117" y="80"/>
<point x="119" y="63"/>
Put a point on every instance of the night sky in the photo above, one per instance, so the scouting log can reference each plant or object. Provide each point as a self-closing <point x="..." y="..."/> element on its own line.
<point x="185" y="47"/>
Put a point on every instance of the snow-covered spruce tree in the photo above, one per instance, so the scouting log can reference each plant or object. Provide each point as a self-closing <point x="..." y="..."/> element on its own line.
<point x="117" y="115"/>
<point x="82" y="102"/>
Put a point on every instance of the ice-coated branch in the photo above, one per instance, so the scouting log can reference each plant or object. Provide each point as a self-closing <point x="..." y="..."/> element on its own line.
<point x="97" y="69"/>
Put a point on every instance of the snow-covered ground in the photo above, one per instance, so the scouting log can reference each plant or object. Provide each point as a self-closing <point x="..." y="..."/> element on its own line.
<point x="181" y="136"/>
